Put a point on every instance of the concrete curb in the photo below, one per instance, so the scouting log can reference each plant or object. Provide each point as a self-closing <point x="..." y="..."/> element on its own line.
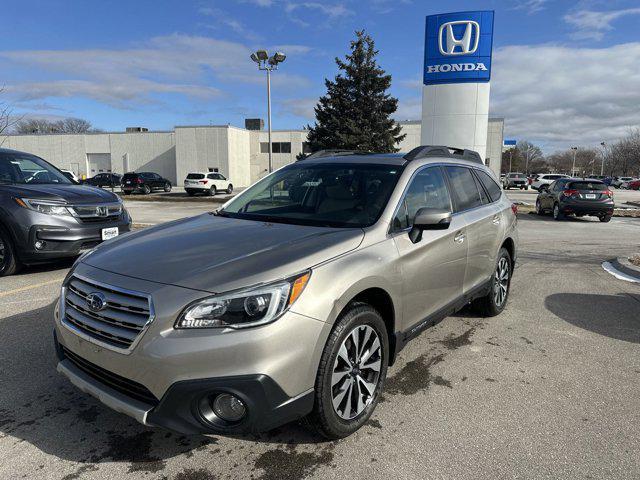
<point x="622" y="269"/>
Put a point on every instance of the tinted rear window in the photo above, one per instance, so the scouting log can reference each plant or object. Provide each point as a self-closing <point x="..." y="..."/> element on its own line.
<point x="195" y="176"/>
<point x="130" y="176"/>
<point x="587" y="186"/>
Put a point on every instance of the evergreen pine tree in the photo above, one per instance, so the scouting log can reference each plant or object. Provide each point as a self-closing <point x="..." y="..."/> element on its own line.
<point x="355" y="113"/>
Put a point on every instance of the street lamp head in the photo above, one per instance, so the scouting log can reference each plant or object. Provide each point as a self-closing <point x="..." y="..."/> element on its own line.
<point x="273" y="62"/>
<point x="574" y="148"/>
<point x="255" y="58"/>
<point x="279" y="57"/>
<point x="262" y="55"/>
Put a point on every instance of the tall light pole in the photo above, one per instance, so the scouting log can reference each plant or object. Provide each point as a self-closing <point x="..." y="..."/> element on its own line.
<point x="268" y="63"/>
<point x="573" y="168"/>
<point x="604" y="153"/>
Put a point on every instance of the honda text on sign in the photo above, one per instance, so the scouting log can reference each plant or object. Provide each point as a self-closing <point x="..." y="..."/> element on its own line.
<point x="458" y="48"/>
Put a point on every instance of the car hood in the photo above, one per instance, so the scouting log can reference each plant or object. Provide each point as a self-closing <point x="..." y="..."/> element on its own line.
<point x="216" y="254"/>
<point x="73" y="194"/>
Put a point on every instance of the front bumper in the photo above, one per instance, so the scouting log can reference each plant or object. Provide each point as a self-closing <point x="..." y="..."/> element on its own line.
<point x="62" y="236"/>
<point x="271" y="368"/>
<point x="268" y="406"/>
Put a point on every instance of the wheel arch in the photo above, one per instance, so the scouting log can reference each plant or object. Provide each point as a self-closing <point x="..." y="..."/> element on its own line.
<point x="381" y="300"/>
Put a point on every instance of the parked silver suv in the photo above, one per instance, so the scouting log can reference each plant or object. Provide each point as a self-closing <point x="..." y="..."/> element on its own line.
<point x="292" y="299"/>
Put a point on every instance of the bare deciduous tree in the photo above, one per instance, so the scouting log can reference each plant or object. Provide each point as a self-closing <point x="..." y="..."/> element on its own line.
<point x="44" y="126"/>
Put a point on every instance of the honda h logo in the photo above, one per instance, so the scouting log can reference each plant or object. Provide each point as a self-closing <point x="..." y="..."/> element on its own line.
<point x="465" y="44"/>
<point x="102" y="211"/>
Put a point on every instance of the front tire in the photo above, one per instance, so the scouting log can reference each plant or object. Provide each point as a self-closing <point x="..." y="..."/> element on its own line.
<point x="539" y="209"/>
<point x="605" y="218"/>
<point x="494" y="302"/>
<point x="8" y="258"/>
<point x="146" y="189"/>
<point x="230" y="189"/>
<point x="351" y="374"/>
<point x="167" y="187"/>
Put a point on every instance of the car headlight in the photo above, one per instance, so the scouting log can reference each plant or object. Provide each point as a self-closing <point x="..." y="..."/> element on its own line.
<point x="244" y="308"/>
<point x="49" y="207"/>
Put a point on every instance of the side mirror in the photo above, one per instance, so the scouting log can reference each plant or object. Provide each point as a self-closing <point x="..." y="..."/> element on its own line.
<point x="429" y="219"/>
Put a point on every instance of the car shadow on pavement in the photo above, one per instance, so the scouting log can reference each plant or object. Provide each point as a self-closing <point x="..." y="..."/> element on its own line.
<point x="532" y="216"/>
<point x="40" y="407"/>
<point x="46" y="267"/>
<point x="614" y="316"/>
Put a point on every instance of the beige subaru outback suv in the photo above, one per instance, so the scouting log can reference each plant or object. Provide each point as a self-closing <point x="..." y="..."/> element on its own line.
<point x="291" y="300"/>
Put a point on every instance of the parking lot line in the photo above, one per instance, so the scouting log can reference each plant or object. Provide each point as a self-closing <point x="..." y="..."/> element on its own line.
<point x="31" y="287"/>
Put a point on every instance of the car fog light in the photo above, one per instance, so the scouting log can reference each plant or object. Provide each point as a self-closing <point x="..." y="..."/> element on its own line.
<point x="40" y="244"/>
<point x="229" y="407"/>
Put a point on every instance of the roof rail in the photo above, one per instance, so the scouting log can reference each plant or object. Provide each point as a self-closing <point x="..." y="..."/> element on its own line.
<point x="425" y="151"/>
<point x="336" y="152"/>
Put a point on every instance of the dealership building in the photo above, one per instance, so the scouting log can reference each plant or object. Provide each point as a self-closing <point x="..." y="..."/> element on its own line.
<point x="241" y="154"/>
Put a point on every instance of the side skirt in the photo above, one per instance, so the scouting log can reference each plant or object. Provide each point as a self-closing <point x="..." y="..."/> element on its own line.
<point x="402" y="338"/>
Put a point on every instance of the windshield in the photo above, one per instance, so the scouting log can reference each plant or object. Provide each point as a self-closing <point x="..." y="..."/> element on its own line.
<point x="330" y="194"/>
<point x="19" y="168"/>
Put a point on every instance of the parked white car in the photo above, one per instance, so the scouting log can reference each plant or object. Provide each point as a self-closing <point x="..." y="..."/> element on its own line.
<point x="620" y="181"/>
<point x="546" y="179"/>
<point x="208" y="183"/>
<point x="70" y="175"/>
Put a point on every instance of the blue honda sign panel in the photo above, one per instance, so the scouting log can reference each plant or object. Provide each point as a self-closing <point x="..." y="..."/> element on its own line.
<point x="458" y="48"/>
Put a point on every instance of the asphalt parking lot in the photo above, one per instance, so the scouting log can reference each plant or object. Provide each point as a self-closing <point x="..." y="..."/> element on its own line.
<point x="549" y="389"/>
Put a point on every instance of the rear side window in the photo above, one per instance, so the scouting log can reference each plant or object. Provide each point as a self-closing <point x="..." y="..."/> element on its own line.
<point x="463" y="188"/>
<point x="587" y="186"/>
<point x="490" y="185"/>
<point x="195" y="176"/>
<point x="427" y="189"/>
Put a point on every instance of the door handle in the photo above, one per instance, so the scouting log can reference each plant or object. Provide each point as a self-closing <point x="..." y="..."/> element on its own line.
<point x="459" y="238"/>
<point x="496" y="220"/>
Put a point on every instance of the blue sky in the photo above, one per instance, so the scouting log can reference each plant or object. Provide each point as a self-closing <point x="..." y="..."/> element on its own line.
<point x="564" y="72"/>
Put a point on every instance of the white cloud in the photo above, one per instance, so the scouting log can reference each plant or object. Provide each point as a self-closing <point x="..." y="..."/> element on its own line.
<point x="564" y="95"/>
<point x="173" y="64"/>
<point x="386" y="6"/>
<point x="531" y="6"/>
<point x="301" y="107"/>
<point x="591" y="25"/>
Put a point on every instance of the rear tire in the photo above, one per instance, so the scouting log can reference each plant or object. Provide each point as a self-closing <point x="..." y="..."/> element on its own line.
<point x="212" y="191"/>
<point x="146" y="189"/>
<point x="557" y="214"/>
<point x="539" y="209"/>
<point x="605" y="218"/>
<point x="494" y="302"/>
<point x="9" y="263"/>
<point x="348" y="387"/>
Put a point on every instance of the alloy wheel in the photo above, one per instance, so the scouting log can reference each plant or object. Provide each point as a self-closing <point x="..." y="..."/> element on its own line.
<point x="501" y="281"/>
<point x="356" y="372"/>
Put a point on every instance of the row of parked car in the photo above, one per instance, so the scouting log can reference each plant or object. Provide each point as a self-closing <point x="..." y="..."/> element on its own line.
<point x="538" y="180"/>
<point x="207" y="183"/>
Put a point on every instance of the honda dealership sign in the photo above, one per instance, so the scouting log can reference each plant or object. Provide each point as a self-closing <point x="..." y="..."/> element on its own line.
<point x="457" y="70"/>
<point x="458" y="47"/>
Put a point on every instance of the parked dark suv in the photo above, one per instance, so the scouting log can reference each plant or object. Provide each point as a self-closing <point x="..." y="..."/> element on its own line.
<point x="44" y="216"/>
<point x="574" y="196"/>
<point x="104" y="180"/>
<point x="144" y="182"/>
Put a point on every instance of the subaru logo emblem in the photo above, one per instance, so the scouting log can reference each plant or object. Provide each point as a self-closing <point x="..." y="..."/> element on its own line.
<point x="96" y="301"/>
<point x="462" y="45"/>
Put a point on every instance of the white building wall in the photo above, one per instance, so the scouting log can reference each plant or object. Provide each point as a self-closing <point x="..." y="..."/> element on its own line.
<point x="239" y="148"/>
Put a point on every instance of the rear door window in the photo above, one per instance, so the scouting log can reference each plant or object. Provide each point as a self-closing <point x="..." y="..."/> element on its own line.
<point x="463" y="188"/>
